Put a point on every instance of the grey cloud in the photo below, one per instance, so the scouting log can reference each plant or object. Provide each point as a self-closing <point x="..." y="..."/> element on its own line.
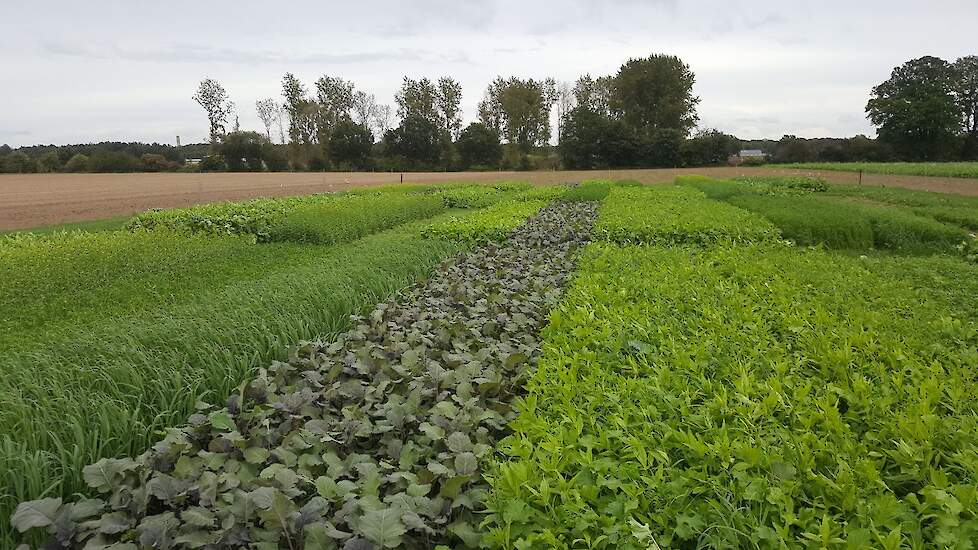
<point x="196" y="53"/>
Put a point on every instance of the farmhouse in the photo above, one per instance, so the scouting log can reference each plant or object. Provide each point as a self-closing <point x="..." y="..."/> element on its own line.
<point x="747" y="155"/>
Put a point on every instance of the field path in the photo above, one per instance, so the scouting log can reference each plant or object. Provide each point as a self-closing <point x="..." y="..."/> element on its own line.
<point x="33" y="200"/>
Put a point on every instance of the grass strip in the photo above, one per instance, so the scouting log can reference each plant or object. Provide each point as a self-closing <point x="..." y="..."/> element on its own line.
<point x="842" y="224"/>
<point x="676" y="215"/>
<point x="490" y="224"/>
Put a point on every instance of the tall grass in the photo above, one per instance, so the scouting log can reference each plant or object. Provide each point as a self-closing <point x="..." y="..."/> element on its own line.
<point x="849" y="225"/>
<point x="107" y="386"/>
<point x="341" y="221"/>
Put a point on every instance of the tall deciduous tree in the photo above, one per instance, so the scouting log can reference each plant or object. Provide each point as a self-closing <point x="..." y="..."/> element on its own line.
<point x="267" y="109"/>
<point x="418" y="99"/>
<point x="655" y="93"/>
<point x="594" y="94"/>
<point x="915" y="109"/>
<point x="966" y="94"/>
<point x="302" y="113"/>
<point x="448" y="101"/>
<point x="383" y="119"/>
<point x="335" y="97"/>
<point x="520" y="110"/>
<point x="364" y="108"/>
<point x="215" y="101"/>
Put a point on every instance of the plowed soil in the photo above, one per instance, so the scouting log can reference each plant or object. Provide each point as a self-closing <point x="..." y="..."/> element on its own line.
<point x="34" y="200"/>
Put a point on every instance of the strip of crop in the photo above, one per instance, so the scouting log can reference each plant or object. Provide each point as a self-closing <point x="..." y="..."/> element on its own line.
<point x="676" y="215"/>
<point x="942" y="169"/>
<point x="314" y="218"/>
<point x="342" y="221"/>
<point x="491" y="224"/>
<point x="809" y="212"/>
<point x="747" y="397"/>
<point x="375" y="440"/>
<point x="108" y="385"/>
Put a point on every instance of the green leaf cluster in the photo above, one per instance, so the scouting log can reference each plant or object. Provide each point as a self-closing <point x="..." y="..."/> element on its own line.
<point x="669" y="215"/>
<point x="748" y="397"/>
<point x="494" y="223"/>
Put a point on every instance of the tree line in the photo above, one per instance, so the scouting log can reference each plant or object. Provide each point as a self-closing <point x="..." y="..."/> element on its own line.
<point x="644" y="115"/>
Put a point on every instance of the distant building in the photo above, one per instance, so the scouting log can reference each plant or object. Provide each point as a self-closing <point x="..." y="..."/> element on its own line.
<point x="193" y="161"/>
<point x="747" y="156"/>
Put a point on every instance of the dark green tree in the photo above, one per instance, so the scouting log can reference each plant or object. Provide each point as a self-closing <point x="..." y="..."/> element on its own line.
<point x="655" y="93"/>
<point x="49" y="162"/>
<point x="709" y="148"/>
<point x="520" y="110"/>
<point x="478" y="146"/>
<point x="793" y="149"/>
<point x="416" y="140"/>
<point x="592" y="139"/>
<point x="966" y="95"/>
<point x="350" y="145"/>
<point x="915" y="110"/>
<point x="663" y="148"/>
<point x="77" y="163"/>
<point x="19" y="163"/>
<point x="242" y="151"/>
<point x="302" y="113"/>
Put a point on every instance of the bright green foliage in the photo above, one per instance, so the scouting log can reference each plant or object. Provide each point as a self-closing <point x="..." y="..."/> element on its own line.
<point x="106" y="385"/>
<point x="228" y="218"/>
<point x="105" y="224"/>
<point x="474" y="196"/>
<point x="376" y="439"/>
<point x="852" y="225"/>
<point x="510" y="186"/>
<point x="628" y="183"/>
<point x="341" y="221"/>
<point x="904" y="197"/>
<point x="593" y="190"/>
<point x="49" y="284"/>
<point x="965" y="217"/>
<point x="943" y="169"/>
<point x="754" y="185"/>
<point x="547" y="193"/>
<point x="786" y="184"/>
<point x="748" y="397"/>
<point x="677" y="215"/>
<point x="490" y="224"/>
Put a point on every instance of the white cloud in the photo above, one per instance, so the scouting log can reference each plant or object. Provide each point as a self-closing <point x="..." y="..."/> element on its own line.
<point x="83" y="71"/>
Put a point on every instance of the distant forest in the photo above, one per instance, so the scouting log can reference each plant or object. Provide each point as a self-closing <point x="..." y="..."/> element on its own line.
<point x="643" y="116"/>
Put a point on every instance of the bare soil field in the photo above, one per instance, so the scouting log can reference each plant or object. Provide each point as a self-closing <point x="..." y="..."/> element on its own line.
<point x="33" y="200"/>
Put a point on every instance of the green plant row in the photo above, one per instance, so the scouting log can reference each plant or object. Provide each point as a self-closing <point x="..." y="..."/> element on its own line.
<point x="252" y="217"/>
<point x="593" y="190"/>
<point x="748" y="397"/>
<point x="943" y="169"/>
<point x="849" y="218"/>
<point x="109" y="380"/>
<point x="345" y="220"/>
<point x="754" y="185"/>
<point x="377" y="439"/>
<point x="490" y="224"/>
<point x="843" y="224"/>
<point x="676" y="215"/>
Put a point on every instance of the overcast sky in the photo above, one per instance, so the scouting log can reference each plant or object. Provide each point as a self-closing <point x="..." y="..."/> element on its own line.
<point x="76" y="72"/>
